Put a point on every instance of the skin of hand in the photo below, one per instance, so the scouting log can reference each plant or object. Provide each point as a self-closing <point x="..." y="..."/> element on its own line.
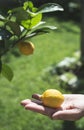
<point x="72" y="108"/>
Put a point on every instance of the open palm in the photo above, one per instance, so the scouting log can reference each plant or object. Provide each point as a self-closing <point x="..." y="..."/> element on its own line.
<point x="71" y="109"/>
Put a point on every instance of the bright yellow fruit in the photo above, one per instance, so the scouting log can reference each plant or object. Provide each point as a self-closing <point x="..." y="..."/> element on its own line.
<point x="26" y="48"/>
<point x="52" y="98"/>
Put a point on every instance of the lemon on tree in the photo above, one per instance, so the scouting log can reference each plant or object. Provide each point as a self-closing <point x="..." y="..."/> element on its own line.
<point x="52" y="98"/>
<point x="26" y="48"/>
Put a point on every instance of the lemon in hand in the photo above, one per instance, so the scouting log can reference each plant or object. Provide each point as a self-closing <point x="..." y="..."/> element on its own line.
<point x="52" y="98"/>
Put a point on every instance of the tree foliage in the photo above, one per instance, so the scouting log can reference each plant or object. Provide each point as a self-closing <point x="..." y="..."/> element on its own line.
<point x="22" y="23"/>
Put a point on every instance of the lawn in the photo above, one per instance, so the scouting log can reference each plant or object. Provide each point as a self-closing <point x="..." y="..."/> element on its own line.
<point x="49" y="50"/>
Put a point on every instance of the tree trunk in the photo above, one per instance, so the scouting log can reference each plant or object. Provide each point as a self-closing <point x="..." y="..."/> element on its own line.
<point x="69" y="125"/>
<point x="82" y="31"/>
<point x="80" y="73"/>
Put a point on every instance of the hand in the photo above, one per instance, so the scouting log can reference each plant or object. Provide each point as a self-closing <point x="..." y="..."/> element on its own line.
<point x="71" y="109"/>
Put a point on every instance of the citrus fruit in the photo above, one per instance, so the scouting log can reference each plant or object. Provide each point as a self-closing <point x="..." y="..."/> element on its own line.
<point x="52" y="98"/>
<point x="26" y="48"/>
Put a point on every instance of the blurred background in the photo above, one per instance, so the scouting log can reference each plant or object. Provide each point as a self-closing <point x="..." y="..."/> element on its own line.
<point x="38" y="72"/>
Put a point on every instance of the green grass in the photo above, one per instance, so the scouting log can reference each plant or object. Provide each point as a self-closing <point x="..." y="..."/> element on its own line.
<point x="49" y="49"/>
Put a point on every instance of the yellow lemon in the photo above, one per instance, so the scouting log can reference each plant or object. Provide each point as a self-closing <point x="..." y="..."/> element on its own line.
<point x="26" y="48"/>
<point x="52" y="98"/>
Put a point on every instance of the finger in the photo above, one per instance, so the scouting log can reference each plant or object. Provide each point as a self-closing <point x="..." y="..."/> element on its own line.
<point x="70" y="115"/>
<point x="27" y="101"/>
<point x="40" y="109"/>
<point x="36" y="96"/>
<point x="35" y="107"/>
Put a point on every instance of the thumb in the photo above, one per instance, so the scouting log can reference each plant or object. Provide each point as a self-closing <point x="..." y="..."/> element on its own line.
<point x="71" y="115"/>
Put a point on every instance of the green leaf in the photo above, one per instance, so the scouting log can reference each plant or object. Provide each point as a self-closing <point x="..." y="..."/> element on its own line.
<point x="36" y="33"/>
<point x="2" y="21"/>
<point x="7" y="72"/>
<point x="26" y="23"/>
<point x="49" y="7"/>
<point x="20" y="14"/>
<point x="39" y="24"/>
<point x="40" y="31"/>
<point x="29" y="7"/>
<point x="30" y="23"/>
<point x="44" y="29"/>
<point x="14" y="27"/>
<point x="49" y="28"/>
<point x="35" y="20"/>
<point x="2" y="24"/>
<point x="2" y="17"/>
<point x="28" y="4"/>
